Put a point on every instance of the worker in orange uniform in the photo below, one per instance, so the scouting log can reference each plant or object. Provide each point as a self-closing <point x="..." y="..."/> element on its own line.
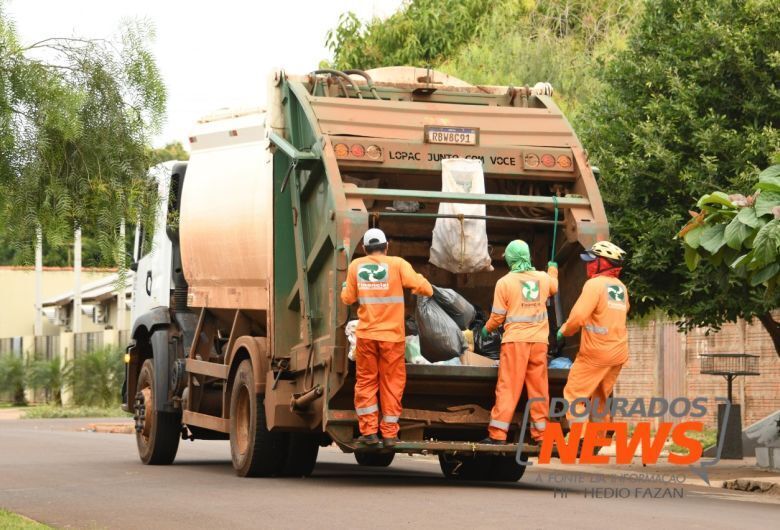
<point x="377" y="282"/>
<point x="520" y="304"/>
<point x="601" y="313"/>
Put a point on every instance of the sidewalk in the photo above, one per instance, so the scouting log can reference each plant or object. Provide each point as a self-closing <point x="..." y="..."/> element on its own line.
<point x="741" y="475"/>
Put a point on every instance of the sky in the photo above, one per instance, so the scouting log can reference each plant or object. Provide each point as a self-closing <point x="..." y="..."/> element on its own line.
<point x="212" y="54"/>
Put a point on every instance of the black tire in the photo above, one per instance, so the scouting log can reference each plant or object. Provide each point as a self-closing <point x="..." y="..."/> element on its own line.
<point x="506" y="469"/>
<point x="301" y="454"/>
<point x="373" y="459"/>
<point x="159" y="437"/>
<point x="255" y="451"/>
<point x="464" y="467"/>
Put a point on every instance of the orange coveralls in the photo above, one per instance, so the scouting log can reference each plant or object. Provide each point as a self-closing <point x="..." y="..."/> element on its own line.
<point x="378" y="282"/>
<point x="520" y="304"/>
<point x="601" y="313"/>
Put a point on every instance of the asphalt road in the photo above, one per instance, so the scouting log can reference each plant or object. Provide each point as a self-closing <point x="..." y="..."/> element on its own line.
<point x="52" y="472"/>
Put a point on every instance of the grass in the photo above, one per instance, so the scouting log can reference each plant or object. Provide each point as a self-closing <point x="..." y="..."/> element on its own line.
<point x="708" y="437"/>
<point x="54" y="411"/>
<point x="12" y="521"/>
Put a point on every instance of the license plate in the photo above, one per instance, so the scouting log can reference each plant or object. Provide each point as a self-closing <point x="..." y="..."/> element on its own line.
<point x="452" y="135"/>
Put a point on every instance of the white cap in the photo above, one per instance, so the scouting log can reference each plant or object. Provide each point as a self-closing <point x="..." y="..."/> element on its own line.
<point x="374" y="236"/>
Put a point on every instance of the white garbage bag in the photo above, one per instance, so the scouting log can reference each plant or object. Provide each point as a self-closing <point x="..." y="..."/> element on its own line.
<point x="461" y="246"/>
<point x="349" y="330"/>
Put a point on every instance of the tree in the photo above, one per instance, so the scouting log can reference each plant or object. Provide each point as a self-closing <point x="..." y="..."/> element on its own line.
<point x="75" y="119"/>
<point x="692" y="104"/>
<point x="740" y="236"/>
<point x="171" y="151"/>
<point x="421" y="33"/>
<point x="503" y="42"/>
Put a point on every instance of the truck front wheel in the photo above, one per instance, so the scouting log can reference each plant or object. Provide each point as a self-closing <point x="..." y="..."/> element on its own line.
<point x="256" y="451"/>
<point x="156" y="433"/>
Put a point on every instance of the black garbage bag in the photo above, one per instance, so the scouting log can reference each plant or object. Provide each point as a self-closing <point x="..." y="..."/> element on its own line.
<point x="411" y="326"/>
<point x="489" y="346"/>
<point x="440" y="337"/>
<point x="457" y="307"/>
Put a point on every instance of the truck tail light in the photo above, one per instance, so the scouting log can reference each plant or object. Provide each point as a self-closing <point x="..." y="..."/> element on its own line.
<point x="564" y="161"/>
<point x="341" y="150"/>
<point x="548" y="160"/>
<point x="531" y="160"/>
<point x="358" y="151"/>
<point x="374" y="152"/>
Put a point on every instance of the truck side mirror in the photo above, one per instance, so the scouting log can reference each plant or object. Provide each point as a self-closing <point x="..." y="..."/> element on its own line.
<point x="134" y="266"/>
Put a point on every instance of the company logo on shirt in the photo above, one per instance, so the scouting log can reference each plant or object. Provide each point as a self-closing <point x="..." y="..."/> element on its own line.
<point x="616" y="293"/>
<point x="531" y="290"/>
<point x="373" y="276"/>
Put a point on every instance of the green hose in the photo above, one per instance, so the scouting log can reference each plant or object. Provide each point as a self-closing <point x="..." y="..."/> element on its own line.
<point x="555" y="228"/>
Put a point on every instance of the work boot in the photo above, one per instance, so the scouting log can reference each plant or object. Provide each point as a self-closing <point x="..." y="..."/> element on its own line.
<point x="492" y="441"/>
<point x="390" y="442"/>
<point x="368" y="439"/>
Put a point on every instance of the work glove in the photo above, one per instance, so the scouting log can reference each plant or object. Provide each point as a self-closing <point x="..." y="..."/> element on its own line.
<point x="559" y="335"/>
<point x="552" y="264"/>
<point x="484" y="333"/>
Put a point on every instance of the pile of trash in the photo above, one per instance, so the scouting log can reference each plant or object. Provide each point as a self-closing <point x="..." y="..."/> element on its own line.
<point x="446" y="330"/>
<point x="443" y="331"/>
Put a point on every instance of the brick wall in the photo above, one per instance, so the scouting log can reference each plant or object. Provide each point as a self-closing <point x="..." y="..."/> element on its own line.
<point x="657" y="366"/>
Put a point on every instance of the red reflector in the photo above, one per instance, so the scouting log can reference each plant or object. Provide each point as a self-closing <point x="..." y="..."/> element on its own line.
<point x="193" y="139"/>
<point x="358" y="151"/>
<point x="548" y="160"/>
<point x="233" y="132"/>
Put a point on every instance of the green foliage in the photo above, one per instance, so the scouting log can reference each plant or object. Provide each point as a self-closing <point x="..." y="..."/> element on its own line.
<point x="75" y="119"/>
<point x="171" y="151"/>
<point x="556" y="41"/>
<point x="53" y="411"/>
<point x="49" y="376"/>
<point x="9" y="520"/>
<point x="421" y="33"/>
<point x="97" y="376"/>
<point x="745" y="227"/>
<point x="503" y="42"/>
<point x="12" y="378"/>
<point x="692" y="104"/>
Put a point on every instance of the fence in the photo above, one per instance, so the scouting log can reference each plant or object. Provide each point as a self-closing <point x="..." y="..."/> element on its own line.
<point x="47" y="347"/>
<point x="11" y="346"/>
<point x="87" y="342"/>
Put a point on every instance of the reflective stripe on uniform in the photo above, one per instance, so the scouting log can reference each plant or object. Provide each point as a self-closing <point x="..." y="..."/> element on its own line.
<point x="598" y="330"/>
<point x="499" y="424"/>
<point x="539" y="317"/>
<point x="539" y="425"/>
<point x="367" y="410"/>
<point x="498" y="311"/>
<point x="381" y="299"/>
<point x="390" y="419"/>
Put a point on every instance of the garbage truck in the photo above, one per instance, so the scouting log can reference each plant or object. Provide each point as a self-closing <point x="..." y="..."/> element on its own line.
<point x="238" y="328"/>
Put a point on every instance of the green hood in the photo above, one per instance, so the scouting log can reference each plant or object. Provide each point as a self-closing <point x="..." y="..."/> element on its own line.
<point x="518" y="256"/>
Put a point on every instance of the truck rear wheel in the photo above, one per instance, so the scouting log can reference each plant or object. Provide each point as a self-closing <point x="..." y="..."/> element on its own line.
<point x="471" y="467"/>
<point x="156" y="433"/>
<point x="301" y="454"/>
<point x="506" y="469"/>
<point x="374" y="459"/>
<point x="255" y="451"/>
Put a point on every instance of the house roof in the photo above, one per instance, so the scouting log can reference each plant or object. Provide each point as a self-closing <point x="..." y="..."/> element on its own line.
<point x="96" y="291"/>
